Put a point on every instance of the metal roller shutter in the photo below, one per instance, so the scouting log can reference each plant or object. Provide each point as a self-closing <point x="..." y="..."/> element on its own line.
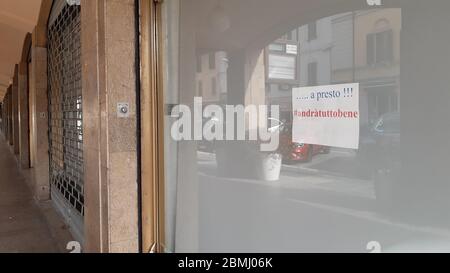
<point x="65" y="114"/>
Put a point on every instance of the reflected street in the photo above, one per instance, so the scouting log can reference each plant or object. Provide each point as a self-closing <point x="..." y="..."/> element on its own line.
<point x="326" y="209"/>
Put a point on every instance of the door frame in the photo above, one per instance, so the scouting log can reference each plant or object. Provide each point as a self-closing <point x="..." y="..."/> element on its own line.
<point x="152" y="127"/>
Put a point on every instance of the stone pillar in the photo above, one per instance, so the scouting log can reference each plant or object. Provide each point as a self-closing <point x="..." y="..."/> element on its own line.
<point x="110" y="156"/>
<point x="23" y="115"/>
<point x="10" y="116"/>
<point x="255" y="92"/>
<point x="246" y="86"/>
<point x="39" y="119"/>
<point x="15" y="115"/>
<point x="2" y="104"/>
<point x="9" y="135"/>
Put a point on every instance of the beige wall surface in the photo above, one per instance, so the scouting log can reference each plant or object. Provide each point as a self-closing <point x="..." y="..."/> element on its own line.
<point x="39" y="123"/>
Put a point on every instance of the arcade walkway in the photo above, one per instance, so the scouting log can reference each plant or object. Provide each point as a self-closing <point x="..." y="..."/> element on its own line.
<point x="26" y="226"/>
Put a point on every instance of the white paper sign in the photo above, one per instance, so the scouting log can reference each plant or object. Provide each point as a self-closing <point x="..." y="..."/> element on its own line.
<point x="291" y="49"/>
<point x="327" y="115"/>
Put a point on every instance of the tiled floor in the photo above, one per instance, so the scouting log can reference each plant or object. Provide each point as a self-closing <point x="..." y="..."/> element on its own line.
<point x="23" y="223"/>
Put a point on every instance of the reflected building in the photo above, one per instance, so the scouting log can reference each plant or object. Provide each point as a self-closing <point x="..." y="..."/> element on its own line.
<point x="366" y="49"/>
<point x="212" y="77"/>
<point x="362" y="46"/>
<point x="302" y="57"/>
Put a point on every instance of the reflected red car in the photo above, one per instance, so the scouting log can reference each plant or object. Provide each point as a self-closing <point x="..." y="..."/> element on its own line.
<point x="298" y="152"/>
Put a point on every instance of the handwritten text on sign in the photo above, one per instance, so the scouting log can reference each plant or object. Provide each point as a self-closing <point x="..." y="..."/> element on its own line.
<point x="326" y="115"/>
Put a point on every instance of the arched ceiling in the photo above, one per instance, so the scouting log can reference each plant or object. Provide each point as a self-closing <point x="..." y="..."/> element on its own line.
<point x="17" y="18"/>
<point x="274" y="18"/>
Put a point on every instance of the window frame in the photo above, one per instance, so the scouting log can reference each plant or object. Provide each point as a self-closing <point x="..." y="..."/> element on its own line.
<point x="152" y="203"/>
<point x="373" y="40"/>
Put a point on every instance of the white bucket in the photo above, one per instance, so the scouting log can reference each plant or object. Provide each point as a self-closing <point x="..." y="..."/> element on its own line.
<point x="269" y="167"/>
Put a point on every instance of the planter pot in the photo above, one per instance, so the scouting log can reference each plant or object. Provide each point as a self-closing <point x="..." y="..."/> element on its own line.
<point x="268" y="167"/>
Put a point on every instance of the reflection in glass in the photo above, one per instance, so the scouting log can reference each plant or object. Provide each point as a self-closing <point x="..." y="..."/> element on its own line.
<point x="218" y="195"/>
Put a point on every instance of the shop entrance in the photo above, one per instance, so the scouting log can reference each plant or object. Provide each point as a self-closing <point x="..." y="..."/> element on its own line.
<point x="65" y="114"/>
<point x="225" y="196"/>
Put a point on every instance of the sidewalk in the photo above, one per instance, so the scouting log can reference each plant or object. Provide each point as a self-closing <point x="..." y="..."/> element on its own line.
<point x="26" y="226"/>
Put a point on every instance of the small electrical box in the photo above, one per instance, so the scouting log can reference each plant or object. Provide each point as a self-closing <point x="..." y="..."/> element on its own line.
<point x="123" y="110"/>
